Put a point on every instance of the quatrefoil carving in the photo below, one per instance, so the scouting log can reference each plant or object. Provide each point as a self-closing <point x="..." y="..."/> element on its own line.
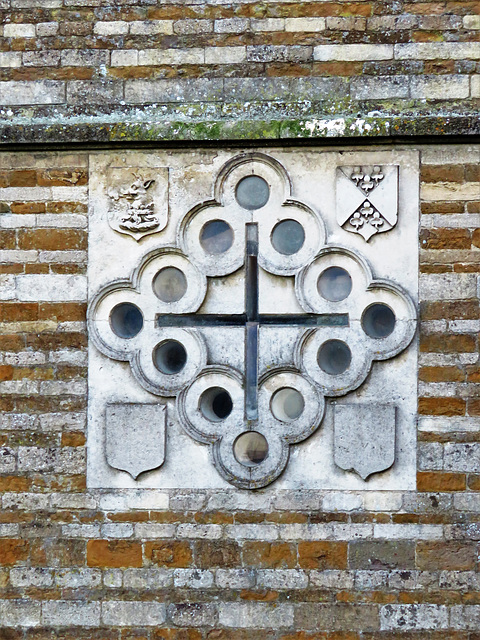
<point x="252" y="391"/>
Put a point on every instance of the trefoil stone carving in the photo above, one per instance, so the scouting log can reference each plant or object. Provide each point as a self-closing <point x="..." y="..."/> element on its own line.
<point x="367" y="199"/>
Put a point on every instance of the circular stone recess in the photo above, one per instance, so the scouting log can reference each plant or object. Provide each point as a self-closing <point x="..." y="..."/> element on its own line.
<point x="216" y="237"/>
<point x="170" y="357"/>
<point x="216" y="404"/>
<point x="288" y="237"/>
<point x="250" y="448"/>
<point x="126" y="320"/>
<point x="252" y="193"/>
<point x="334" y="357"/>
<point x="287" y="404"/>
<point x="334" y="284"/>
<point x="170" y="284"/>
<point x="378" y="321"/>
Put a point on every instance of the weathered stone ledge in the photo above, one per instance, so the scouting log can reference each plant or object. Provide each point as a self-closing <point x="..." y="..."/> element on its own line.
<point x="236" y="121"/>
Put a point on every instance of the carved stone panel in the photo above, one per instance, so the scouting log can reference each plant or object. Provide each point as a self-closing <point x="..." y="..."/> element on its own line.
<point x="138" y="201"/>
<point x="248" y="315"/>
<point x="135" y="437"/>
<point x="364" y="437"/>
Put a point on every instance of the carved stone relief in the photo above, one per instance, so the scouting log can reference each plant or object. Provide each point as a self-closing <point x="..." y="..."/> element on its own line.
<point x="249" y="318"/>
<point x="367" y="199"/>
<point x="138" y="201"/>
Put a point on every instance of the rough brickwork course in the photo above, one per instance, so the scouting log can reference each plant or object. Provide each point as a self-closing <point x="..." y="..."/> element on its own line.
<point x="228" y="565"/>
<point x="99" y="64"/>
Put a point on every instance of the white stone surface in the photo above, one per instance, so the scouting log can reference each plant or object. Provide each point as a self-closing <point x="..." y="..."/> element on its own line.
<point x="392" y="256"/>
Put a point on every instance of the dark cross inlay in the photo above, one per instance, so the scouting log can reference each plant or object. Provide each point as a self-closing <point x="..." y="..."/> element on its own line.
<point x="251" y="320"/>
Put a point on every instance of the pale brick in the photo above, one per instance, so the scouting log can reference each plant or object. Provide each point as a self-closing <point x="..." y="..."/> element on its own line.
<point x="78" y="577"/>
<point x="186" y="27"/>
<point x="471" y="22"/>
<point x="70" y="613"/>
<point x="54" y="288"/>
<point x="467" y="501"/>
<point x="436" y="87"/>
<point x="124" y="58"/>
<point x="130" y="614"/>
<point x="41" y="58"/>
<point x="72" y="501"/>
<point x="225" y="55"/>
<point x="342" y="502"/>
<point x="154" y="530"/>
<point x="256" y="615"/>
<point x="151" y="27"/>
<point x="413" y="616"/>
<point x="380" y="88"/>
<point x="47" y="29"/>
<point x="140" y="499"/>
<point x="116" y="27"/>
<point x="117" y="530"/>
<point x="475" y="86"/>
<point x="14" y="92"/>
<point x="281" y="579"/>
<point x="112" y="578"/>
<point x="382" y="501"/>
<point x="9" y="530"/>
<point x="193" y="614"/>
<point x="19" y="613"/>
<point x="16" y="255"/>
<point x="329" y="52"/>
<point x="307" y="25"/>
<point x="252" y="531"/>
<point x="171" y="56"/>
<point x="10" y="59"/>
<point x="408" y="531"/>
<point x="462" y="457"/>
<point x="7" y="287"/>
<point x="447" y="286"/>
<point x="235" y="578"/>
<point x="203" y="531"/>
<point x="371" y="580"/>
<point x="7" y="459"/>
<point x="84" y="57"/>
<point x="193" y="578"/>
<point x="332" y="579"/>
<point x="150" y="579"/>
<point x="18" y="30"/>
<point x="231" y="25"/>
<point x="437" y="51"/>
<point x="31" y="577"/>
<point x="267" y="24"/>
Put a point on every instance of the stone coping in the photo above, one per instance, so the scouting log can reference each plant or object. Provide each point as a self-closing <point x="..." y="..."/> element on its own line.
<point x="209" y="122"/>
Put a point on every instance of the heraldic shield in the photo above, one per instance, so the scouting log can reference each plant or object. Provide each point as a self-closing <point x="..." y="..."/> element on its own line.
<point x="367" y="199"/>
<point x="135" y="437"/>
<point x="364" y="437"/>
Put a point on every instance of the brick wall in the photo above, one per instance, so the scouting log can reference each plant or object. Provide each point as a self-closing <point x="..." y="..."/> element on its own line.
<point x="227" y="565"/>
<point x="63" y="58"/>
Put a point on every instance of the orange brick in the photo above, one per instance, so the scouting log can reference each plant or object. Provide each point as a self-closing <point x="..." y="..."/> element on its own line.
<point x="169" y="554"/>
<point x="6" y="372"/>
<point x="60" y="178"/>
<point x="176" y="634"/>
<point x="441" y="406"/>
<point x="27" y="207"/>
<point x="441" y="374"/>
<point x="445" y="343"/>
<point x="443" y="173"/>
<point x="436" y="481"/>
<point x="446" y="556"/>
<point x="114" y="553"/>
<point x="18" y="311"/>
<point x="24" y="178"/>
<point x="13" y="551"/>
<point x="52" y="239"/>
<point x="272" y="555"/>
<point x="322" y="555"/>
<point x="445" y="239"/>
